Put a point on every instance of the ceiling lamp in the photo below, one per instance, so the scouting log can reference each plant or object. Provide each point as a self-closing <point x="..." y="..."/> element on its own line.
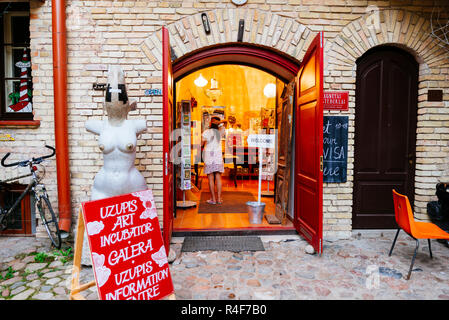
<point x="214" y="92"/>
<point x="270" y="90"/>
<point x="200" y="81"/>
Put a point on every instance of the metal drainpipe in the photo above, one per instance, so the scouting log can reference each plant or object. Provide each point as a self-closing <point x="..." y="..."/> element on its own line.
<point x="60" y="112"/>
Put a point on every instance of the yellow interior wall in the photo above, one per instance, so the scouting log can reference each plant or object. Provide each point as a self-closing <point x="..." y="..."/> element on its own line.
<point x="242" y="91"/>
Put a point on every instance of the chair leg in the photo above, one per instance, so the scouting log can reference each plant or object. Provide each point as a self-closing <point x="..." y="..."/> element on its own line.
<point x="394" y="242"/>
<point x="413" y="259"/>
<point x="430" y="249"/>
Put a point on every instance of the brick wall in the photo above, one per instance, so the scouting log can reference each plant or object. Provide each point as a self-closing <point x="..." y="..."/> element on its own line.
<point x="127" y="33"/>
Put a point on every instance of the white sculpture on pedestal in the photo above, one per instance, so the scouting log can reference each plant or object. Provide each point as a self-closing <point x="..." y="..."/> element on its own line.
<point x="117" y="141"/>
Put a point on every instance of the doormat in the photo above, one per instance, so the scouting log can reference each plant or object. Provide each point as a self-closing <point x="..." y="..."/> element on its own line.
<point x="222" y="243"/>
<point x="233" y="202"/>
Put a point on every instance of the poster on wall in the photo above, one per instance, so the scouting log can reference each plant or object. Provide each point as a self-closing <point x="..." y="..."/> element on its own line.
<point x="186" y="148"/>
<point x="335" y="148"/>
<point x="128" y="254"/>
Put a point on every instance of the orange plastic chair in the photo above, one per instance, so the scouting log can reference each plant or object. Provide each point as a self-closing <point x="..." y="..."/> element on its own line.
<point x="417" y="230"/>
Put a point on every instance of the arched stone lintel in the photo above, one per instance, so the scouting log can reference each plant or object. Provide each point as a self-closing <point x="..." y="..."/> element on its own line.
<point x="400" y="28"/>
<point x="262" y="28"/>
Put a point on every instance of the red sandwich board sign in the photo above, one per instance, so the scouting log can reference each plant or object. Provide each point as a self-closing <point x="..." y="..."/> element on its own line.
<point x="127" y="250"/>
<point x="335" y="100"/>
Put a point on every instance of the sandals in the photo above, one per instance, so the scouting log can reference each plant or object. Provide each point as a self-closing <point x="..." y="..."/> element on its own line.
<point x="214" y="202"/>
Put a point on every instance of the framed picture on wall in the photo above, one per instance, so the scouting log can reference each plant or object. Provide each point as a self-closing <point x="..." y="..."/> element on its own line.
<point x="207" y="112"/>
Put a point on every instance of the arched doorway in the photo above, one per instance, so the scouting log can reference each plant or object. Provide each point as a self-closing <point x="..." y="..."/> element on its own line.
<point x="307" y="103"/>
<point x="269" y="60"/>
<point x="240" y="71"/>
<point x="385" y="134"/>
<point x="240" y="95"/>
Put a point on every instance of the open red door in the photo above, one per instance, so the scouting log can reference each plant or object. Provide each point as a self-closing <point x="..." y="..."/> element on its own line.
<point x="167" y="105"/>
<point x="308" y="218"/>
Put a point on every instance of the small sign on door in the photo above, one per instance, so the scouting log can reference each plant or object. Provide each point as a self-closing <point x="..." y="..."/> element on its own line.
<point x="127" y="250"/>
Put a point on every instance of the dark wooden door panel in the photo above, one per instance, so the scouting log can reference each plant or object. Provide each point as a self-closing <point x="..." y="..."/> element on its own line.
<point x="369" y="209"/>
<point x="385" y="134"/>
<point x="369" y="160"/>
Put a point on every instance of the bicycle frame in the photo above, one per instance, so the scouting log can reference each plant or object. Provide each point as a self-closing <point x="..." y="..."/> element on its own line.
<point x="49" y="219"/>
<point x="33" y="183"/>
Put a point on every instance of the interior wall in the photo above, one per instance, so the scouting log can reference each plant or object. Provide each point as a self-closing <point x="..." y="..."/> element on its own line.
<point x="242" y="92"/>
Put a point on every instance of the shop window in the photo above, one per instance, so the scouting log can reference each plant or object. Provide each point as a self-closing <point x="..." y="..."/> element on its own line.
<point x="15" y="69"/>
<point x="20" y="221"/>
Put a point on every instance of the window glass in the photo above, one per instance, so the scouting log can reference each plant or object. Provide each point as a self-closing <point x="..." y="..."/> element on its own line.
<point x="20" y="26"/>
<point x="17" y="81"/>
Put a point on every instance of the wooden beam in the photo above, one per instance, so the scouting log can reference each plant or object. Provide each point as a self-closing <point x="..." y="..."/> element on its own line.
<point x="76" y="288"/>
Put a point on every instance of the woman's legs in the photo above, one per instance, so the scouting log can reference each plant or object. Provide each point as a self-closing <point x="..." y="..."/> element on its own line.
<point x="211" y="186"/>
<point x="218" y="180"/>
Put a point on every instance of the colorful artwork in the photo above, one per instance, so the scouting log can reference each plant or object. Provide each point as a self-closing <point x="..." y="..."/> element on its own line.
<point x="267" y="117"/>
<point x="21" y="100"/>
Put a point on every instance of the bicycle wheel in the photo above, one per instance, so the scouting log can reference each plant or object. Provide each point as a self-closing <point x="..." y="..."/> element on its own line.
<point x="49" y="221"/>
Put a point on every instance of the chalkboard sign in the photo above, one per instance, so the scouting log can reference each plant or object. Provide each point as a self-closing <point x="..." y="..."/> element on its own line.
<point x="335" y="148"/>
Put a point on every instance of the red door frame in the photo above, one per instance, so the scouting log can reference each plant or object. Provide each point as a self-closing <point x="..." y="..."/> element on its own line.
<point x="167" y="114"/>
<point x="238" y="53"/>
<point x="259" y="57"/>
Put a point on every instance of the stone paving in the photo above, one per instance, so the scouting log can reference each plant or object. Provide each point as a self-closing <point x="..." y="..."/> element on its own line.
<point x="357" y="268"/>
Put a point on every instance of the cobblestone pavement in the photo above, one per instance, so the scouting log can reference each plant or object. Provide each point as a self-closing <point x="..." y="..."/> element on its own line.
<point x="357" y="268"/>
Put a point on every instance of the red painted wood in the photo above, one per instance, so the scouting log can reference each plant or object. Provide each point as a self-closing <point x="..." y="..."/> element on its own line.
<point x="167" y="101"/>
<point x="308" y="218"/>
<point x="20" y="123"/>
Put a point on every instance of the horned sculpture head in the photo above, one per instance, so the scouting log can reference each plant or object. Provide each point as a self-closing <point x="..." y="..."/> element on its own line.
<point x="116" y="101"/>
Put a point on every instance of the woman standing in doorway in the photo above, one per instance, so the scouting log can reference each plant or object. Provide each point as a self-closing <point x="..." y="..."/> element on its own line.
<point x="213" y="158"/>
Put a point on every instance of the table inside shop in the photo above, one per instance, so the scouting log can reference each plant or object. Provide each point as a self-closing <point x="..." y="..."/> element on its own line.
<point x="247" y="157"/>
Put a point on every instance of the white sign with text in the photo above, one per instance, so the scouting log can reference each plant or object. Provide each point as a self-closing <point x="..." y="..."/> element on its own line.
<point x="262" y="140"/>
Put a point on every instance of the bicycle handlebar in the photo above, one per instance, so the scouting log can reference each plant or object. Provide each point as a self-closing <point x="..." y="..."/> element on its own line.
<point x="25" y="162"/>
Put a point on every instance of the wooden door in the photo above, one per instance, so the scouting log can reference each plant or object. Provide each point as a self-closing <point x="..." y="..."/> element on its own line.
<point x="167" y="102"/>
<point x="19" y="222"/>
<point x="385" y="135"/>
<point x="308" y="218"/>
<point x="284" y="158"/>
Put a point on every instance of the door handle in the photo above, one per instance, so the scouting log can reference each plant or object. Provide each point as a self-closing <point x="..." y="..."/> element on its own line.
<point x="410" y="158"/>
<point x="166" y="163"/>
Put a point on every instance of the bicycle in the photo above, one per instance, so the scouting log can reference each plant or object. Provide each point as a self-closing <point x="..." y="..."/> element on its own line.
<point x="39" y="191"/>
